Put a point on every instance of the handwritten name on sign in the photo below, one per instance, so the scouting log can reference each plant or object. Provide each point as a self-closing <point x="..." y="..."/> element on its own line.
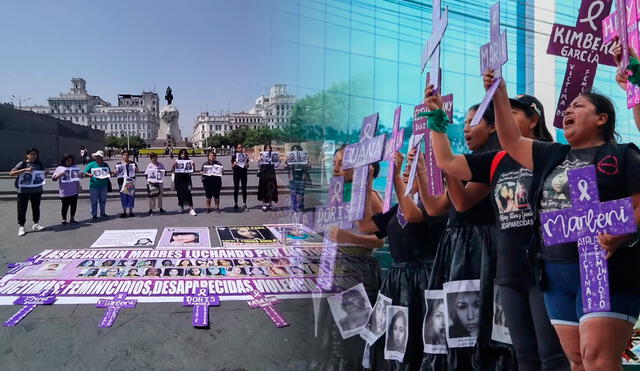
<point x="363" y="153"/>
<point x="201" y="303"/>
<point x="29" y="303"/>
<point x="267" y="304"/>
<point x="581" y="223"/>
<point x="113" y="307"/>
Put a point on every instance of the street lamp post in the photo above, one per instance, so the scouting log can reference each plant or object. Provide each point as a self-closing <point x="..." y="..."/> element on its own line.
<point x="20" y="100"/>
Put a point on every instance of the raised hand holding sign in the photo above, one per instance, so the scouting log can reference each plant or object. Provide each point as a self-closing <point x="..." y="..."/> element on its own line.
<point x="393" y="144"/>
<point x="493" y="56"/>
<point x="582" y="223"/>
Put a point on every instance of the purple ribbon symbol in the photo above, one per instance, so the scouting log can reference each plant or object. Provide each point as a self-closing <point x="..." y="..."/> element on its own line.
<point x="201" y="303"/>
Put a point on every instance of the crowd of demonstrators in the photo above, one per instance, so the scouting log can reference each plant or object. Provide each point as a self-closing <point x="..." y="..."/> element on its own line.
<point x="68" y="175"/>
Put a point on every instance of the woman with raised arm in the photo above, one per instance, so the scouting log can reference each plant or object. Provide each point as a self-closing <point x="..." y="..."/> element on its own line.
<point x="592" y="341"/>
<point x="413" y="237"/>
<point x="466" y="250"/>
<point x="534" y="339"/>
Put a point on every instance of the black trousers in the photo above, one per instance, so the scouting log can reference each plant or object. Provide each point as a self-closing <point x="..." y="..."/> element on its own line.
<point x="23" y="202"/>
<point x="240" y="176"/>
<point x="534" y="338"/>
<point x="69" y="202"/>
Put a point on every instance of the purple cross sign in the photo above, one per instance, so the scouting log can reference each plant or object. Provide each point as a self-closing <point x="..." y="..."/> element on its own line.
<point x="17" y="267"/>
<point x="624" y="23"/>
<point x="266" y="303"/>
<point x="201" y="303"/>
<point x="113" y="307"/>
<point x="393" y="144"/>
<point x="583" y="46"/>
<point x="29" y="303"/>
<point x="358" y="156"/>
<point x="581" y="223"/>
<point x="431" y="50"/>
<point x="493" y="55"/>
<point x="335" y="211"/>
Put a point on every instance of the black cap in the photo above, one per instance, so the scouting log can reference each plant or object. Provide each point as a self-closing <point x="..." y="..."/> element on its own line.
<point x="528" y="103"/>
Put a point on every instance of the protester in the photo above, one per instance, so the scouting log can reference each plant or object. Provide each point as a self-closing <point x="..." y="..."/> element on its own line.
<point x="98" y="187"/>
<point x="155" y="190"/>
<point x="212" y="184"/>
<point x="183" y="185"/>
<point x="593" y="340"/>
<point x="268" y="184"/>
<point x="84" y="155"/>
<point x="127" y="183"/>
<point x="28" y="194"/>
<point x="67" y="189"/>
<point x="298" y="176"/>
<point x="239" y="176"/>
<point x="533" y="337"/>
<point x="466" y="250"/>
<point x="413" y="247"/>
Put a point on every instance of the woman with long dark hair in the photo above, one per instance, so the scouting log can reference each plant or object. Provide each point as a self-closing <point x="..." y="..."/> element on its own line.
<point x="28" y="194"/>
<point x="183" y="184"/>
<point x="533" y="337"/>
<point x="268" y="184"/>
<point x="590" y="340"/>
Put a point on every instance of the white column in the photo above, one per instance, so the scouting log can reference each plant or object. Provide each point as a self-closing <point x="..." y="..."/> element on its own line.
<point x="544" y="76"/>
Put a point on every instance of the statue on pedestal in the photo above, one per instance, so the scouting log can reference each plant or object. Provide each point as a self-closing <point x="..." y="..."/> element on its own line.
<point x="169" y="128"/>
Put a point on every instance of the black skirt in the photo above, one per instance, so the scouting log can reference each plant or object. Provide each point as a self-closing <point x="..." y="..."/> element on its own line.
<point x="404" y="284"/>
<point x="268" y="189"/>
<point x="467" y="252"/>
<point x="183" y="189"/>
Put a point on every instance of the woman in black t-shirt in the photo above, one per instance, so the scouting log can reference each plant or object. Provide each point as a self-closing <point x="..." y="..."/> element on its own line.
<point x="268" y="183"/>
<point x="413" y="237"/>
<point x="594" y="340"/>
<point x="211" y="183"/>
<point x="466" y="252"/>
<point x="533" y="337"/>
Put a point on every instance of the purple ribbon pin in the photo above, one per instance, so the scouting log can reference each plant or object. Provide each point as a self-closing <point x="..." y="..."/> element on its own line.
<point x="113" y="307"/>
<point x="201" y="303"/>
<point x="29" y="303"/>
<point x="266" y="303"/>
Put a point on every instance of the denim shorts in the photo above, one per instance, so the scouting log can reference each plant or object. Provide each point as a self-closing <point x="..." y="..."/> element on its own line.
<point x="563" y="297"/>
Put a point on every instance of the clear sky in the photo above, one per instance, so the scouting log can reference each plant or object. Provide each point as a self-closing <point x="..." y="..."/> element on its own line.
<point x="214" y="54"/>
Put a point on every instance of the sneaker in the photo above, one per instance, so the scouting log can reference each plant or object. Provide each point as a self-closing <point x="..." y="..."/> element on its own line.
<point x="245" y="207"/>
<point x="94" y="218"/>
<point x="264" y="208"/>
<point x="73" y="221"/>
<point x="162" y="211"/>
<point x="21" y="231"/>
<point x="218" y="210"/>
<point x="63" y="222"/>
<point x="37" y="227"/>
<point x="150" y="212"/>
<point x="269" y="207"/>
<point x="193" y="212"/>
<point x="208" y="211"/>
<point x="123" y="215"/>
<point x="131" y="214"/>
<point x="104" y="216"/>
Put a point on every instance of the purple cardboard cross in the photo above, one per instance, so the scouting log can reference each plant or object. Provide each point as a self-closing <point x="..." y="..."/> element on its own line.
<point x="493" y="55"/>
<point x="436" y="184"/>
<point x="335" y="211"/>
<point x="29" y="303"/>
<point x="393" y="144"/>
<point x="358" y="156"/>
<point x="624" y="23"/>
<point x="113" y="307"/>
<point x="201" y="303"/>
<point x="583" y="45"/>
<point x="18" y="266"/>
<point x="431" y="51"/>
<point x="266" y="303"/>
<point x="581" y="223"/>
